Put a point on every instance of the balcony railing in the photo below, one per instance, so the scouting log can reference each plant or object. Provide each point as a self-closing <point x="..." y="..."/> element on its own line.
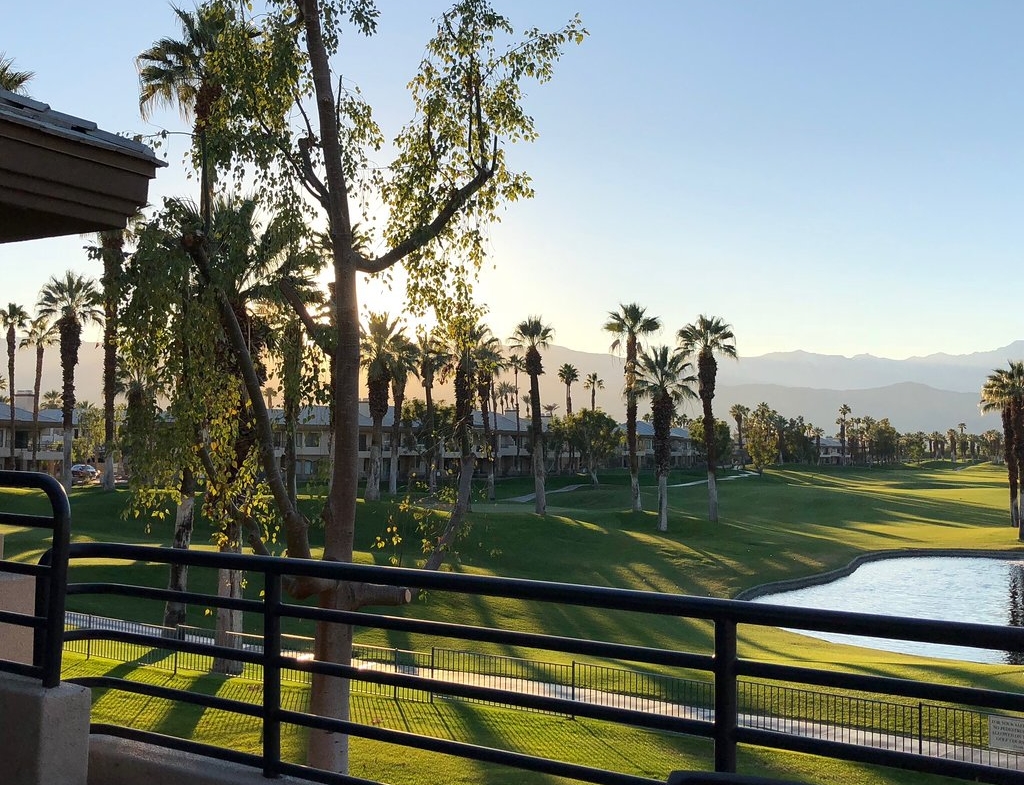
<point x="723" y="716"/>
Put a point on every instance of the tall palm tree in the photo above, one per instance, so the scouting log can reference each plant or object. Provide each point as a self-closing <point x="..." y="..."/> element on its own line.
<point x="531" y="335"/>
<point x="517" y="364"/>
<point x="12" y="79"/>
<point x="376" y="351"/>
<point x="593" y="382"/>
<point x="665" y="377"/>
<point x="1003" y="391"/>
<point x="739" y="412"/>
<point x="705" y="338"/>
<point x="568" y="375"/>
<point x="628" y="325"/>
<point x="73" y="301"/>
<point x="176" y="72"/>
<point x="54" y="399"/>
<point x="14" y="318"/>
<point x="111" y="251"/>
<point x="844" y="412"/>
<point x="405" y="362"/>
<point x="431" y="360"/>
<point x="487" y="362"/>
<point x="41" y="333"/>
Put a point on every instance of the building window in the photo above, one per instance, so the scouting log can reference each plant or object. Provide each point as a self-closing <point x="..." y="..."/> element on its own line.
<point x="312" y="438"/>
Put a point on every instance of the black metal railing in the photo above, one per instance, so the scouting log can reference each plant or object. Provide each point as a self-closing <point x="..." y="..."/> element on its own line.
<point x="728" y="672"/>
<point x="729" y="675"/>
<point x="47" y="621"/>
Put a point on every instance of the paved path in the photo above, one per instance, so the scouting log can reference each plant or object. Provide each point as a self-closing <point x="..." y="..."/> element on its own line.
<point x="529" y="497"/>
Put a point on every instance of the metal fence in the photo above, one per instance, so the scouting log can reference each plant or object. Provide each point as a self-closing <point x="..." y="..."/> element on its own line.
<point x="911" y="727"/>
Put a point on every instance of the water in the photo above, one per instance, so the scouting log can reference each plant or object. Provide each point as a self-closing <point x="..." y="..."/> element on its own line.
<point x="969" y="589"/>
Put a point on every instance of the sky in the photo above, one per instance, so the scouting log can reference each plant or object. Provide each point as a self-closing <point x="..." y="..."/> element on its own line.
<point x="841" y="177"/>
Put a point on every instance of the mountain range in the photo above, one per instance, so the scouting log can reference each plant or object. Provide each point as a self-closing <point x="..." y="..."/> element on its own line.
<point x="932" y="393"/>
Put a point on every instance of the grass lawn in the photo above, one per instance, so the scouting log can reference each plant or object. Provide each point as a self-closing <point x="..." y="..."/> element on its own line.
<point x="785" y="524"/>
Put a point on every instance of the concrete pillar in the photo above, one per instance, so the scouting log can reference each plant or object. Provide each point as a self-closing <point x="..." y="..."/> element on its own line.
<point x="44" y="734"/>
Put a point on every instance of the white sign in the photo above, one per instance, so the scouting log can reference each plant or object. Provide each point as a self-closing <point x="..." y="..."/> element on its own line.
<point x="1005" y="733"/>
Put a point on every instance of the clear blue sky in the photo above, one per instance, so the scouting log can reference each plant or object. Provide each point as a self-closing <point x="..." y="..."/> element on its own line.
<point x="841" y="177"/>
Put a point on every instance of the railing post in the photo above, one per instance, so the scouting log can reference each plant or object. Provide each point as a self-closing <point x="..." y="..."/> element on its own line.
<point x="433" y="650"/>
<point x="394" y="659"/>
<point x="726" y="702"/>
<point x="271" y="674"/>
<point x="920" y="728"/>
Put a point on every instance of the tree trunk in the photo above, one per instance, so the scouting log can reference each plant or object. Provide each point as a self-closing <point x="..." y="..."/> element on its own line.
<point x="184" y="521"/>
<point x="229" y="622"/>
<point x="455" y="521"/>
<point x="662" y="502"/>
<point x="372" y="492"/>
<point x="712" y="496"/>
<point x="35" y="406"/>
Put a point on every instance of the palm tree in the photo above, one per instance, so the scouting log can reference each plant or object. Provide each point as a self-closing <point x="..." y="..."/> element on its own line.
<point x="665" y="377"/>
<point x="532" y="335"/>
<point x="11" y="79"/>
<point x="1004" y="391"/>
<point x="53" y="399"/>
<point x="175" y="72"/>
<point x="550" y="409"/>
<point x="628" y="324"/>
<point x="431" y="360"/>
<point x="593" y="383"/>
<point x="41" y="333"/>
<point x="516" y="363"/>
<point x="13" y="318"/>
<point x="707" y="337"/>
<point x="487" y="361"/>
<point x="73" y="301"/>
<point x="568" y="375"/>
<point x="739" y="412"/>
<point x="405" y="362"/>
<point x="379" y="340"/>
<point x="844" y="412"/>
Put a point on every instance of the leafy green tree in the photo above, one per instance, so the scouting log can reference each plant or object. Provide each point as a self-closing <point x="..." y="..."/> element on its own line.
<point x="73" y="300"/>
<point x="14" y="317"/>
<point x="705" y="338"/>
<point x="448" y="179"/>
<point x="723" y="437"/>
<point x="762" y="436"/>
<point x="595" y="436"/>
<point x="629" y="324"/>
<point x="665" y="377"/>
<point x="531" y="335"/>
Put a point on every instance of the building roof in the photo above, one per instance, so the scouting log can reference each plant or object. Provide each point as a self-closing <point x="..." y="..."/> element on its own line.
<point x="61" y="174"/>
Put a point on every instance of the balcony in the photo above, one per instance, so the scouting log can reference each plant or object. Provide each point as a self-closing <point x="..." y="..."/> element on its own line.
<point x="732" y="703"/>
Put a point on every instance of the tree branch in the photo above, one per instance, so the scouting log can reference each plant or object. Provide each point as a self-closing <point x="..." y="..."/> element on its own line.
<point x="423" y="235"/>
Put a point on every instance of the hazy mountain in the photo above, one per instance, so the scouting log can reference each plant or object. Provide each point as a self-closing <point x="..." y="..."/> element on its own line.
<point x="919" y="393"/>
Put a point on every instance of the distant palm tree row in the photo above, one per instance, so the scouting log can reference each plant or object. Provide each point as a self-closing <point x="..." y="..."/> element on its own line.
<point x="65" y="304"/>
<point x="468" y="353"/>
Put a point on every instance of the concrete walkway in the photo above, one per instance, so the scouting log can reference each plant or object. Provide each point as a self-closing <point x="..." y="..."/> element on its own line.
<point x="529" y="497"/>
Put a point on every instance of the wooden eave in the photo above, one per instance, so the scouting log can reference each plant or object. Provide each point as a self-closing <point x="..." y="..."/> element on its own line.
<point x="62" y="175"/>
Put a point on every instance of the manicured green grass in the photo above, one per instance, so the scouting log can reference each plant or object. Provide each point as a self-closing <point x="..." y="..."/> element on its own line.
<point x="786" y="524"/>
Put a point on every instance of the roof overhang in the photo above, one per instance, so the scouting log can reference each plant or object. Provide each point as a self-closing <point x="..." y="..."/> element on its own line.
<point x="62" y="175"/>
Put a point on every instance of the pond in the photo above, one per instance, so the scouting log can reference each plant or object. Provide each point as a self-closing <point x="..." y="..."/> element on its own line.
<point x="970" y="589"/>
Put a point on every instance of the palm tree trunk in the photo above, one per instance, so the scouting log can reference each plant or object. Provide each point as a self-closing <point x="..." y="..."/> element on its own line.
<point x="35" y="406"/>
<point x="540" y="504"/>
<point x="396" y="441"/>
<point x="432" y="441"/>
<point x="662" y="502"/>
<point x="372" y="492"/>
<point x="10" y="378"/>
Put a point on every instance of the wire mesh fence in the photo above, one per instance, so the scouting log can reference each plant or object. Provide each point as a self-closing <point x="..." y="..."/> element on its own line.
<point x="914" y="727"/>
